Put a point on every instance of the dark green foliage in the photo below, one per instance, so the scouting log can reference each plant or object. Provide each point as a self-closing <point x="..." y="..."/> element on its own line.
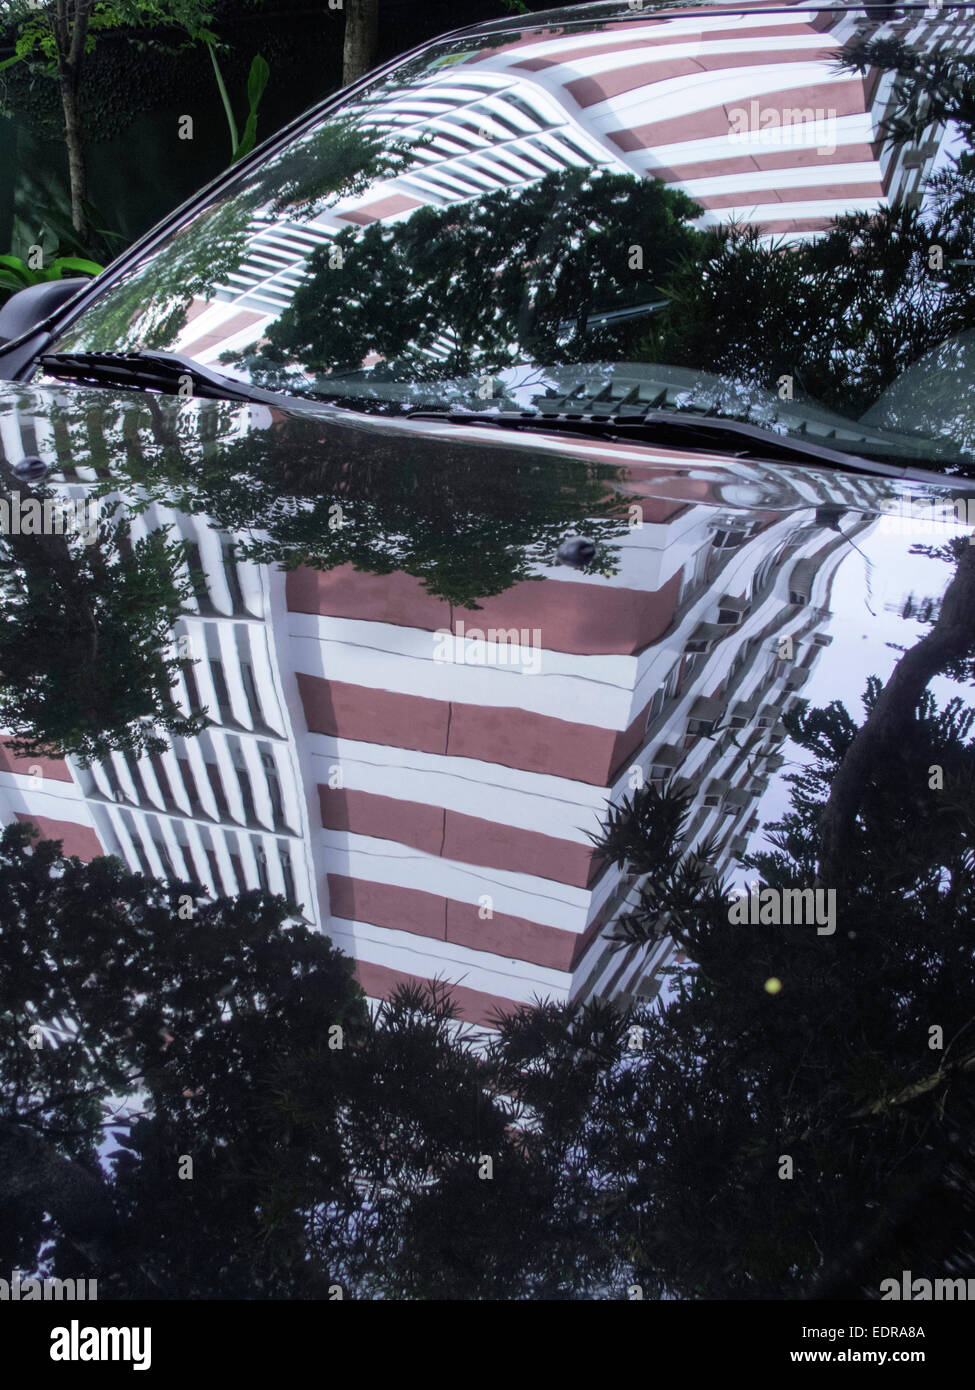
<point x="512" y="277"/>
<point x="84" y="634"/>
<point x="834" y="1070"/>
<point x="180" y="1022"/>
<point x="847" y="313"/>
<point x="467" y="521"/>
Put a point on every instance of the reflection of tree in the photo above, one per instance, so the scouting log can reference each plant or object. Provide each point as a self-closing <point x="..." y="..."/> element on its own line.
<point x="82" y="663"/>
<point x="643" y="1147"/>
<point x="892" y="725"/>
<point x="158" y="1020"/>
<point x="467" y="520"/>
<point x="836" y="1069"/>
<point x="844" y="315"/>
<point x="337" y="160"/>
<point x="224" y="1034"/>
<point x="466" y="524"/>
<point x="931" y="88"/>
<point x="848" y="313"/>
<point x="512" y="276"/>
<point x="147" y="307"/>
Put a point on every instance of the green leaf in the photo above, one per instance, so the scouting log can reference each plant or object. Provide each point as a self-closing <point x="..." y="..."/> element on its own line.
<point x="248" y="139"/>
<point x="228" y="109"/>
<point x="20" y="271"/>
<point x="257" y="80"/>
<point x="77" y="263"/>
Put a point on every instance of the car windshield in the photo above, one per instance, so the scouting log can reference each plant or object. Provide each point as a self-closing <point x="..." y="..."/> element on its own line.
<point x="764" y="216"/>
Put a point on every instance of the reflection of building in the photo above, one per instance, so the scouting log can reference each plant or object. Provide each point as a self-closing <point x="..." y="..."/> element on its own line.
<point x="435" y="817"/>
<point x="224" y="808"/>
<point x="650" y="96"/>
<point x="495" y="783"/>
<point x="904" y="169"/>
<point x="754" y="600"/>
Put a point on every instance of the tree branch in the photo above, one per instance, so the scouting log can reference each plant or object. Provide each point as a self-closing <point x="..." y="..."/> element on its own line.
<point x="889" y="722"/>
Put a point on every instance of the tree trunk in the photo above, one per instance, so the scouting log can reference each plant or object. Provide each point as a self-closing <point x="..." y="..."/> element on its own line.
<point x="889" y="723"/>
<point x="75" y="142"/>
<point x="361" y="30"/>
<point x="69" y="37"/>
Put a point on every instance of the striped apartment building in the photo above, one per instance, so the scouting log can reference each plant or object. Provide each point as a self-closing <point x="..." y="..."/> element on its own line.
<point x="434" y="818"/>
<point x="651" y="98"/>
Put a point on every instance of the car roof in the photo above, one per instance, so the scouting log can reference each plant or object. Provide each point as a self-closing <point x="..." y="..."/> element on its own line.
<point x="619" y="12"/>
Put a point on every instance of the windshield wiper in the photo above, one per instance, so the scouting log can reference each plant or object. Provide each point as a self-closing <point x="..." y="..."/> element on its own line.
<point x="152" y="371"/>
<point x="670" y="427"/>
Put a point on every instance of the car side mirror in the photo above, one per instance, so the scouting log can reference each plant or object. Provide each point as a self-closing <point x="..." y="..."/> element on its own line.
<point x="27" y="308"/>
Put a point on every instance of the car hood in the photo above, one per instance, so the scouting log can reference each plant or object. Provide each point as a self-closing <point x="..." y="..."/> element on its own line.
<point x="420" y="701"/>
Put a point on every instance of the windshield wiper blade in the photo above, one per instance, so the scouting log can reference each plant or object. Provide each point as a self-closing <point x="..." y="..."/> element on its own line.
<point x="151" y="371"/>
<point x="671" y="427"/>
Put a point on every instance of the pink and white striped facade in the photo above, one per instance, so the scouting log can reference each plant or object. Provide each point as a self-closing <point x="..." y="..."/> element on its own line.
<point x="434" y="817"/>
<point x="652" y="96"/>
